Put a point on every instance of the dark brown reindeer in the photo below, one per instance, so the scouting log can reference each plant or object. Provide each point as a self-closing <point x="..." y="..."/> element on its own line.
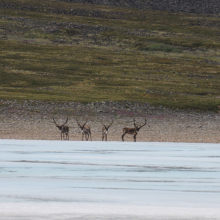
<point x="105" y="131"/>
<point x="63" y="129"/>
<point x="133" y="131"/>
<point x="86" y="130"/>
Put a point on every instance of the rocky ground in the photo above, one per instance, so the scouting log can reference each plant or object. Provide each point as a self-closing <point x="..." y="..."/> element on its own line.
<point x="190" y="6"/>
<point x="33" y="120"/>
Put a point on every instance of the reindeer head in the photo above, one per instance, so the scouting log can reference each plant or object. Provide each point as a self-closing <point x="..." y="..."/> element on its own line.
<point x="107" y="126"/>
<point x="138" y="127"/>
<point x="59" y="126"/>
<point x="82" y="126"/>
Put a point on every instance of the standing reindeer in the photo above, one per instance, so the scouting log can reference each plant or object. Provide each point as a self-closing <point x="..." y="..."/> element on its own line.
<point x="63" y="129"/>
<point x="86" y="130"/>
<point x="133" y="131"/>
<point x="105" y="131"/>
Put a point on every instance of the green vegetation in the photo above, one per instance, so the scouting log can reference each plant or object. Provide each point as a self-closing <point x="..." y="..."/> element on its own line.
<point x="52" y="50"/>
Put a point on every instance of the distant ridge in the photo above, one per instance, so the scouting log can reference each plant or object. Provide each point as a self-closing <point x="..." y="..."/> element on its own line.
<point x="190" y="6"/>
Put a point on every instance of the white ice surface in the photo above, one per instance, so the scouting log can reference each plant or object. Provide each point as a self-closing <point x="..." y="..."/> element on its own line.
<point x="63" y="180"/>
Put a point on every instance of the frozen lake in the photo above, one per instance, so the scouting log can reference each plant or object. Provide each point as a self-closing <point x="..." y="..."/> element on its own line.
<point x="66" y="180"/>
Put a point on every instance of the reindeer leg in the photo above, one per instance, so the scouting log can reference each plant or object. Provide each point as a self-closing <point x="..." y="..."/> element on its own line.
<point x="135" y="137"/>
<point x="90" y="136"/>
<point x="123" y="136"/>
<point x="82" y="136"/>
<point x="106" y="137"/>
<point x="102" y="136"/>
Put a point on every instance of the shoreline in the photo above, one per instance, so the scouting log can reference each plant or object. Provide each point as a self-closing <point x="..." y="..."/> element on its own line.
<point x="99" y="141"/>
<point x="33" y="121"/>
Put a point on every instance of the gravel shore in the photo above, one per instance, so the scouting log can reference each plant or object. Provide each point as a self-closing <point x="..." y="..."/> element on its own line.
<point x="33" y="120"/>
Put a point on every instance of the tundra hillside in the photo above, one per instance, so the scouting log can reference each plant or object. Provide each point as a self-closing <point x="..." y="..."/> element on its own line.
<point x="189" y="6"/>
<point x="67" y="51"/>
<point x="110" y="60"/>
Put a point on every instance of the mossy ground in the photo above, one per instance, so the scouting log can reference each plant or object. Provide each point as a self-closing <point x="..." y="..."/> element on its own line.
<point x="79" y="52"/>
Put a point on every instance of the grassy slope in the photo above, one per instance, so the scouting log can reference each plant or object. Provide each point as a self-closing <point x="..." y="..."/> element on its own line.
<point x="106" y="53"/>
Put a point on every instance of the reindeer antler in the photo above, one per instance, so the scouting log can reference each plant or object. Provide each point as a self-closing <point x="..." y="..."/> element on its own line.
<point x="81" y="126"/>
<point x="144" y="123"/>
<point x="85" y="122"/>
<point x="135" y="123"/>
<point x="55" y="122"/>
<point x="102" y="123"/>
<point x="106" y="125"/>
<point x="65" y="122"/>
<point x="78" y="122"/>
<point x="111" y="124"/>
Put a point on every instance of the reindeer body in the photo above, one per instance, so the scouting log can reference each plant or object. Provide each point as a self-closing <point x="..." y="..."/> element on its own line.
<point x="132" y="131"/>
<point x="104" y="134"/>
<point x="105" y="131"/>
<point x="63" y="129"/>
<point x="86" y="130"/>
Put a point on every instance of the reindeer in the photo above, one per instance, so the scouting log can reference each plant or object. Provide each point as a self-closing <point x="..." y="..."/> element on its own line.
<point x="105" y="130"/>
<point x="86" y="130"/>
<point x="133" y="131"/>
<point x="63" y="129"/>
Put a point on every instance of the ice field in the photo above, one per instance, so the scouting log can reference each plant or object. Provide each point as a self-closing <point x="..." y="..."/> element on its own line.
<point x="63" y="180"/>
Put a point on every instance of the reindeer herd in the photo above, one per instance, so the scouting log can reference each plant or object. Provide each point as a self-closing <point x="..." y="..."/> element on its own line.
<point x="86" y="130"/>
